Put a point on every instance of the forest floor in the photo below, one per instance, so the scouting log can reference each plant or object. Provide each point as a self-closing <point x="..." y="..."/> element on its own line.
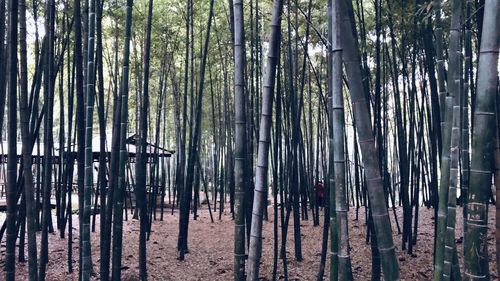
<point x="211" y="250"/>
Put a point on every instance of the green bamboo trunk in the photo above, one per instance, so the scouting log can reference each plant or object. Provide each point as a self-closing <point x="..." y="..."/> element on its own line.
<point x="337" y="145"/>
<point x="89" y="169"/>
<point x="483" y="144"/>
<point x="449" y="240"/>
<point x="240" y="137"/>
<point x="48" y="136"/>
<point x="27" y="147"/>
<point x="330" y="184"/>
<point x="255" y="248"/>
<point x="371" y="162"/>
<point x="119" y="193"/>
<point x="443" y="253"/>
<point x="11" y="184"/>
<point x="334" y="231"/>
<point x="450" y="261"/>
<point x="438" y="31"/>
<point x="142" y="155"/>
<point x="468" y="81"/>
<point x="497" y="192"/>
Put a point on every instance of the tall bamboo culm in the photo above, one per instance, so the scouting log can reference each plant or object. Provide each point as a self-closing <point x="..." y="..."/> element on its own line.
<point x="483" y="144"/>
<point x="337" y="144"/>
<point x="123" y="158"/>
<point x="255" y="248"/>
<point x="445" y="250"/>
<point x="10" y="254"/>
<point x="451" y="268"/>
<point x="361" y="114"/>
<point x="240" y="139"/>
<point x="89" y="163"/>
<point x="48" y="136"/>
<point x="27" y="147"/>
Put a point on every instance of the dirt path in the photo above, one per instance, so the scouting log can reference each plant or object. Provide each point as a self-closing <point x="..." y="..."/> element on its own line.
<point x="211" y="250"/>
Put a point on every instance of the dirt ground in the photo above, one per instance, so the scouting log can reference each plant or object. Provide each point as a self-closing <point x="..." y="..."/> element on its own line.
<point x="211" y="250"/>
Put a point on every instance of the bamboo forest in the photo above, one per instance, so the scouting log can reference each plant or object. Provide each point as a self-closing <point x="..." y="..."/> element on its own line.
<point x="249" y="140"/>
